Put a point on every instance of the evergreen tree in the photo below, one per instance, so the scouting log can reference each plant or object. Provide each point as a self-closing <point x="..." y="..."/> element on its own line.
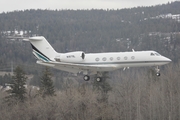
<point x="17" y="92"/>
<point x="47" y="87"/>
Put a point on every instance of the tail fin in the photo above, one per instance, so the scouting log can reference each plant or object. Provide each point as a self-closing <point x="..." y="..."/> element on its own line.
<point x="42" y="49"/>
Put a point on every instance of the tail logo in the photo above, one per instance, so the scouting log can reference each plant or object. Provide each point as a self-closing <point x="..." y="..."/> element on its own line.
<point x="39" y="55"/>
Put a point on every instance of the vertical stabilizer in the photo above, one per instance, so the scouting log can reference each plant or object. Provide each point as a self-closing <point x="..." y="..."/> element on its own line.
<point x="42" y="49"/>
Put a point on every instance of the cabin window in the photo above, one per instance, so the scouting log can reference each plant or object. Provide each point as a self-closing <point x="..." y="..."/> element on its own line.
<point x="118" y="58"/>
<point x="125" y="58"/>
<point x="111" y="58"/>
<point x="97" y="59"/>
<point x="104" y="59"/>
<point x="132" y="57"/>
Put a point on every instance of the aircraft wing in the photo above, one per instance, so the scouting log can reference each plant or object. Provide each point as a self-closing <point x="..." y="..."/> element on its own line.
<point x="76" y="68"/>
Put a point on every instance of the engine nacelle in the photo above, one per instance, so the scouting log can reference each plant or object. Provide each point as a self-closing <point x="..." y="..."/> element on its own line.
<point x="75" y="57"/>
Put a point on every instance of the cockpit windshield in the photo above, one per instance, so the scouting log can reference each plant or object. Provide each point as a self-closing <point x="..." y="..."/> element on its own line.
<point x="152" y="54"/>
<point x="155" y="54"/>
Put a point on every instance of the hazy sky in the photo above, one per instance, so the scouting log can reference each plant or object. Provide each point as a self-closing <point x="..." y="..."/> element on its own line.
<point x="11" y="5"/>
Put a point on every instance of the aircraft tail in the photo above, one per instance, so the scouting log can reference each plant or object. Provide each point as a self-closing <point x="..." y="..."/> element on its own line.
<point x="42" y="49"/>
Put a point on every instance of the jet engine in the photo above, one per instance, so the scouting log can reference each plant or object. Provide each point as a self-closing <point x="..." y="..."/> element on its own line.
<point x="73" y="57"/>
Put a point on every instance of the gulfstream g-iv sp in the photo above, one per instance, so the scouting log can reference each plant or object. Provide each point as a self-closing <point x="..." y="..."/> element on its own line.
<point x="93" y="63"/>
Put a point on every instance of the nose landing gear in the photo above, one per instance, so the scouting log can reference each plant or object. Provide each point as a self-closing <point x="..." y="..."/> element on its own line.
<point x="157" y="71"/>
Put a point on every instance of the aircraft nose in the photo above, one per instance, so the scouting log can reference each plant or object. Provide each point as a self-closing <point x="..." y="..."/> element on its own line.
<point x="167" y="60"/>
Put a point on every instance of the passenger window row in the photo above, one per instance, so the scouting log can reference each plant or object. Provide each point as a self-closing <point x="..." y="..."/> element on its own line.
<point x="111" y="58"/>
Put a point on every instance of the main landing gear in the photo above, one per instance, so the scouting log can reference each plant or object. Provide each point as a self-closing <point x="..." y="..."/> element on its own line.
<point x="157" y="71"/>
<point x="98" y="79"/>
<point x="87" y="78"/>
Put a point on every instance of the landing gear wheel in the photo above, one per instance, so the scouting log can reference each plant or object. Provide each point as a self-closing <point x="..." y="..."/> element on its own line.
<point x="98" y="79"/>
<point x="157" y="71"/>
<point x="86" y="78"/>
<point x="158" y="74"/>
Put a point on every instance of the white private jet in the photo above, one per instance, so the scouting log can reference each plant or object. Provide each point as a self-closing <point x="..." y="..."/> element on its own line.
<point x="93" y="63"/>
